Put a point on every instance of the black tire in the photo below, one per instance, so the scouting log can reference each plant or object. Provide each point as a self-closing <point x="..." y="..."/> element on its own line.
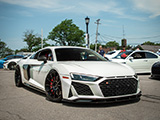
<point x="18" y="79"/>
<point x="12" y="66"/>
<point x="53" y="87"/>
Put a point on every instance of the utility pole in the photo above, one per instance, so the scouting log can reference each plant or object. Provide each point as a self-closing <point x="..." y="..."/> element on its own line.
<point x="41" y="38"/>
<point x="123" y="41"/>
<point x="97" y="22"/>
<point x="123" y="32"/>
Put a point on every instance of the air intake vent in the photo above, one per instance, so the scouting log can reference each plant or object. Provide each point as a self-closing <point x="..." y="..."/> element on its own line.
<point x="82" y="89"/>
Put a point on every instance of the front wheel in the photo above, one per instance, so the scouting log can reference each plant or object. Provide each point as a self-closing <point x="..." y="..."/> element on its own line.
<point x="18" y="79"/>
<point x="12" y="66"/>
<point x="53" y="87"/>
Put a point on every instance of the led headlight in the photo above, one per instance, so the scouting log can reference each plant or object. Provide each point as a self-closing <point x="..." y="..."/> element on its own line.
<point x="83" y="77"/>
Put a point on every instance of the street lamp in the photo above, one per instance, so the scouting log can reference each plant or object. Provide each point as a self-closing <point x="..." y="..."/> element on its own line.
<point x="87" y="35"/>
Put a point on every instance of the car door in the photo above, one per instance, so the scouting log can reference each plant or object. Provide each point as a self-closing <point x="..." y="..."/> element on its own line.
<point x="137" y="61"/>
<point x="36" y="69"/>
<point x="151" y="58"/>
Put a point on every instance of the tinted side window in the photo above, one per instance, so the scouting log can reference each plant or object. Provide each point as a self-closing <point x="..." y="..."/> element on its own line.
<point x="138" y="55"/>
<point x="46" y="53"/>
<point x="150" y="55"/>
<point x="18" y="56"/>
<point x="33" y="56"/>
<point x="110" y="53"/>
<point x="10" y="57"/>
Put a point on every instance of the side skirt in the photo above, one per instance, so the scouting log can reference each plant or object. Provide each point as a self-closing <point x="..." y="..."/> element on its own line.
<point x="31" y="86"/>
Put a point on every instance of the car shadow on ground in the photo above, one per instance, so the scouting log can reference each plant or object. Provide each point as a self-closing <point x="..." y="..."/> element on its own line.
<point x="34" y="91"/>
<point x="158" y="79"/>
<point x="153" y="97"/>
<point x="100" y="105"/>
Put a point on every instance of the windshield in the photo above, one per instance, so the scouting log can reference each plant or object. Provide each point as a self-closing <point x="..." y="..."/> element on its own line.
<point x="123" y="55"/>
<point x="77" y="54"/>
<point x="111" y="52"/>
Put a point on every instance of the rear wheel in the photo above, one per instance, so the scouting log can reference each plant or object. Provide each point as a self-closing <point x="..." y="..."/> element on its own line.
<point x="18" y="79"/>
<point x="12" y="66"/>
<point x="53" y="87"/>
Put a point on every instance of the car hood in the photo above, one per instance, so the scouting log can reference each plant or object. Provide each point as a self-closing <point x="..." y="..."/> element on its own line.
<point x="2" y="61"/>
<point x="98" y="68"/>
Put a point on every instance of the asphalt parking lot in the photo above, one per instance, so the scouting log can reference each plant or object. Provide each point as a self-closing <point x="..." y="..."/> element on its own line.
<point x="27" y="104"/>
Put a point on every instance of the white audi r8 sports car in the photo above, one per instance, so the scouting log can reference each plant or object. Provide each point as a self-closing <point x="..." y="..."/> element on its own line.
<point x="77" y="74"/>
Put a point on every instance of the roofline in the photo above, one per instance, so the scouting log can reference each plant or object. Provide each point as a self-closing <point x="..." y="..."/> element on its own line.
<point x="54" y="47"/>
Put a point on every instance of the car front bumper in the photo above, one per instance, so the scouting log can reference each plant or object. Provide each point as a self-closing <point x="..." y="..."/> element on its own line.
<point x="5" y="66"/>
<point x="104" y="90"/>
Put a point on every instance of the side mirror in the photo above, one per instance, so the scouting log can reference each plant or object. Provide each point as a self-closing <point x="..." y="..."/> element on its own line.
<point x="42" y="58"/>
<point x="130" y="58"/>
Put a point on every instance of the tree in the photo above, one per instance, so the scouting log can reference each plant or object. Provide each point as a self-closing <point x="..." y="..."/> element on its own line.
<point x="92" y="46"/>
<point x="31" y="39"/>
<point x="112" y="44"/>
<point x="45" y="44"/>
<point x="67" y="33"/>
<point x="4" y="50"/>
<point x="21" y="50"/>
<point x="148" y="43"/>
<point x="2" y="44"/>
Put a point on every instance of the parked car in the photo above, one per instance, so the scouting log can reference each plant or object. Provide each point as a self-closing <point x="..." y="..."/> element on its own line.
<point x="11" y="64"/>
<point x="112" y="54"/>
<point x="158" y="52"/>
<point x="2" y="61"/>
<point x="140" y="60"/>
<point x="155" y="71"/>
<point x="77" y="74"/>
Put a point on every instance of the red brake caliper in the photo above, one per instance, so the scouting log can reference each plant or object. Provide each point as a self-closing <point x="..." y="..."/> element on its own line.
<point x="51" y="86"/>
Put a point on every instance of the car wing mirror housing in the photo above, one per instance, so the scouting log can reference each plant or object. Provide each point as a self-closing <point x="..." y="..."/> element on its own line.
<point x="130" y="58"/>
<point x="42" y="58"/>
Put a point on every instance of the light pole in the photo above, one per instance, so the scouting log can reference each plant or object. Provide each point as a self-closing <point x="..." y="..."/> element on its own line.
<point x="41" y="38"/>
<point x="87" y="35"/>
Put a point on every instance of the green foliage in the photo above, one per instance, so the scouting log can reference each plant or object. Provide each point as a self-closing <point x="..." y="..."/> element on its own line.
<point x="128" y="47"/>
<point x="4" y="50"/>
<point x="21" y="50"/>
<point x="150" y="43"/>
<point x="67" y="33"/>
<point x="45" y="44"/>
<point x="92" y="46"/>
<point x="112" y="44"/>
<point x="2" y="44"/>
<point x="31" y="39"/>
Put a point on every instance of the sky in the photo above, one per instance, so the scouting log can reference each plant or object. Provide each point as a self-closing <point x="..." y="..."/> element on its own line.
<point x="136" y="20"/>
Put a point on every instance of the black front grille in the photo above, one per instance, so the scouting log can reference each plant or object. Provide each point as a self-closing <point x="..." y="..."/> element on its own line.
<point x="82" y="89"/>
<point x="115" y="87"/>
